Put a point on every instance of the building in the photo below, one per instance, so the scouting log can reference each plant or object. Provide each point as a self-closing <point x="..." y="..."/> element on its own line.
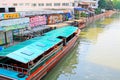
<point x="87" y="3"/>
<point x="36" y="5"/>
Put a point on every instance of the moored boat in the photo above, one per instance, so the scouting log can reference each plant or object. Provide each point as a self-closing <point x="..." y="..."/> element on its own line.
<point x="32" y="59"/>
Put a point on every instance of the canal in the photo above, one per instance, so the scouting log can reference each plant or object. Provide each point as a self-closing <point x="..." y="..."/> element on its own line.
<point x="97" y="55"/>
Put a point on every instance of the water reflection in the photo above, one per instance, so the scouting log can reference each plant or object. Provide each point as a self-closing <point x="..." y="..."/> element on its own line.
<point x="97" y="55"/>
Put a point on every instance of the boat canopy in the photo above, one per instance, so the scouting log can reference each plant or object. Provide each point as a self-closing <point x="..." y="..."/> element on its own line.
<point x="29" y="50"/>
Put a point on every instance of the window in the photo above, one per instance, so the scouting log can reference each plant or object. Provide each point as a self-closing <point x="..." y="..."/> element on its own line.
<point x="41" y="4"/>
<point x="12" y="9"/>
<point x="56" y="4"/>
<point x="21" y="4"/>
<point x="93" y="4"/>
<point x="27" y="4"/>
<point x="73" y="4"/>
<point x="2" y="10"/>
<point x="14" y="4"/>
<point x="65" y="4"/>
<point x="48" y="4"/>
<point x="34" y="4"/>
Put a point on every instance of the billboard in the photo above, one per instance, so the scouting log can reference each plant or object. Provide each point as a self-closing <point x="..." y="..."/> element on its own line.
<point x="55" y="18"/>
<point x="37" y="20"/>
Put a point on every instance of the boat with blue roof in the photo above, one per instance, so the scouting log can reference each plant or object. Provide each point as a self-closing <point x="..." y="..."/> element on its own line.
<point x="34" y="58"/>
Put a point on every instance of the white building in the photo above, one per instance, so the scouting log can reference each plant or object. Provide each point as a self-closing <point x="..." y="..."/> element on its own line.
<point x="90" y="3"/>
<point x="36" y="5"/>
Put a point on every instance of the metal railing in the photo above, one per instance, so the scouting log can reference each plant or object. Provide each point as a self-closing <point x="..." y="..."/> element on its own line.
<point x="50" y="54"/>
<point x="14" y="68"/>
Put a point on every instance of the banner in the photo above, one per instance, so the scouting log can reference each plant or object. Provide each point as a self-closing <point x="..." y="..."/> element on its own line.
<point x="11" y="15"/>
<point x="37" y="20"/>
<point x="55" y="18"/>
<point x="14" y="23"/>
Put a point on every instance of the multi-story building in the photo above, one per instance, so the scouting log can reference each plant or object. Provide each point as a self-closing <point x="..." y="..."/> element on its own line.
<point x="88" y="3"/>
<point x="36" y="5"/>
<point x="92" y="3"/>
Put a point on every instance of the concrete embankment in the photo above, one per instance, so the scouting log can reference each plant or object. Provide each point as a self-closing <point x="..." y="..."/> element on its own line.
<point x="96" y="17"/>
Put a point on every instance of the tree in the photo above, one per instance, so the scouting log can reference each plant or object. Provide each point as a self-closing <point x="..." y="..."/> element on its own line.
<point x="116" y="4"/>
<point x="109" y="5"/>
<point x="102" y="4"/>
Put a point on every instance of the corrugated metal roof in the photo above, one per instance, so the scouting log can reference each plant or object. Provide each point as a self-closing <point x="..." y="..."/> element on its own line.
<point x="31" y="49"/>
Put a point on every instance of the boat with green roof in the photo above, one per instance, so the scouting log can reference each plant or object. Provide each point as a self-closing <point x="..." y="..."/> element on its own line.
<point x="32" y="59"/>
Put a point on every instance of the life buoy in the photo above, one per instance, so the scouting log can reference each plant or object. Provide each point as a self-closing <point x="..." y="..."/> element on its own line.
<point x="21" y="75"/>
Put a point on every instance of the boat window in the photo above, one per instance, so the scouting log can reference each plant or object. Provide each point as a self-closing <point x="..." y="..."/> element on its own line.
<point x="26" y="52"/>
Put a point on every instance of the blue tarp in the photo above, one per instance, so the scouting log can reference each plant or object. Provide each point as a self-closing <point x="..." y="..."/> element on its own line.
<point x="29" y="50"/>
<point x="79" y="9"/>
<point x="1" y="48"/>
<point x="68" y="15"/>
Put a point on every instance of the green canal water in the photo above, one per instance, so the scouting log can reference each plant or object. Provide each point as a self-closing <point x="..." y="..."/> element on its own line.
<point x="97" y="55"/>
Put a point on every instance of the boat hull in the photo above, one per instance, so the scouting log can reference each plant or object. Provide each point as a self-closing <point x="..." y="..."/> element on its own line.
<point x="44" y="69"/>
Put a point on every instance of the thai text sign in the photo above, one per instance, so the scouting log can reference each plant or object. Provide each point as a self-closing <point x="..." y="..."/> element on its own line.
<point x="11" y="15"/>
<point x="56" y="18"/>
<point x="12" y="22"/>
<point x="37" y="20"/>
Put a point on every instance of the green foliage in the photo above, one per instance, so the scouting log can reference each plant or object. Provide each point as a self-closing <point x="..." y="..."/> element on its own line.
<point x="116" y="4"/>
<point x="102" y="4"/>
<point x="105" y="4"/>
<point x="97" y="11"/>
<point x="83" y="14"/>
<point x="76" y="16"/>
<point x="109" y="5"/>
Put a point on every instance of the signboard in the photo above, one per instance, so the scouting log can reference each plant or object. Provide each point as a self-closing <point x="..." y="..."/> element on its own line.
<point x="11" y="15"/>
<point x="2" y="38"/>
<point x="37" y="20"/>
<point x="55" y="18"/>
<point x="14" y="23"/>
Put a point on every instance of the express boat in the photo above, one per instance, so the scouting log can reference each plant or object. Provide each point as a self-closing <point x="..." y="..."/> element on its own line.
<point x="32" y="59"/>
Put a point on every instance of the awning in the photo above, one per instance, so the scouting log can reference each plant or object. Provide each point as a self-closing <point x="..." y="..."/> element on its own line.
<point x="40" y="28"/>
<point x="79" y="9"/>
<point x="29" y="50"/>
<point x="8" y="28"/>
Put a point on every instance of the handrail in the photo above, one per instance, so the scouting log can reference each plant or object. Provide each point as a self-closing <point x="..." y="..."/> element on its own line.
<point x="46" y="56"/>
<point x="13" y="68"/>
